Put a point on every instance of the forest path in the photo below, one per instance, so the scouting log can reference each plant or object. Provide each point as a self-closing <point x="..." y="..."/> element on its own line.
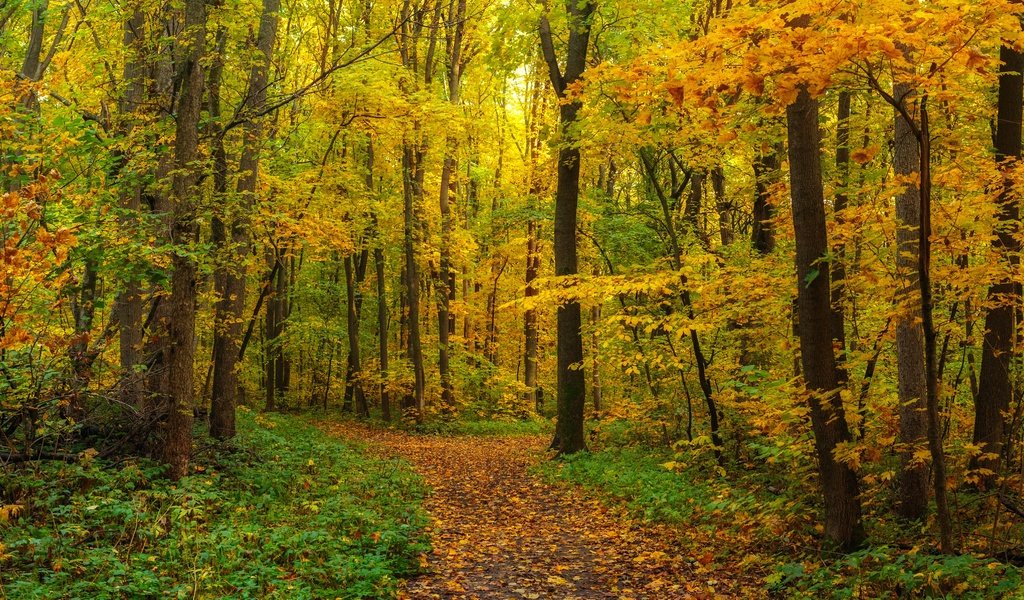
<point x="498" y="531"/>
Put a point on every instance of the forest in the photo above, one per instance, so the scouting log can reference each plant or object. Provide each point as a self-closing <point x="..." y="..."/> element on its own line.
<point x="610" y="299"/>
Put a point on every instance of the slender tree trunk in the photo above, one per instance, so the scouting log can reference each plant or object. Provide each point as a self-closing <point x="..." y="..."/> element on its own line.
<point x="531" y="335"/>
<point x="352" y="376"/>
<point x="412" y="288"/>
<point x="766" y="170"/>
<point x="595" y="361"/>
<point x="219" y="421"/>
<point x="230" y="309"/>
<point x="839" y="262"/>
<point x="569" y="436"/>
<point x="723" y="205"/>
<point x="843" y="526"/>
<point x="927" y="322"/>
<point x="382" y="332"/>
<point x="128" y="306"/>
<point x="912" y="480"/>
<point x="446" y="279"/>
<point x="270" y="341"/>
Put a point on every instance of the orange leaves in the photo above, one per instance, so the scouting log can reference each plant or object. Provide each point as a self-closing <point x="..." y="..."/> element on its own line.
<point x="863" y="156"/>
<point x="675" y="89"/>
<point x="30" y="254"/>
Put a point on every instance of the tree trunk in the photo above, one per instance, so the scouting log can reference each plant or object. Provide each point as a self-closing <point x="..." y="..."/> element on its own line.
<point x="352" y="375"/>
<point x="766" y="169"/>
<point x="531" y="336"/>
<point x="569" y="437"/>
<point x="128" y="305"/>
<point x="927" y="323"/>
<point x="839" y="253"/>
<point x="270" y="341"/>
<point x="382" y="332"/>
<point x="723" y="206"/>
<point x="446" y="275"/>
<point x="410" y="157"/>
<point x="999" y="345"/>
<point x="912" y="479"/>
<point x="230" y="309"/>
<point x="181" y="354"/>
<point x="843" y="526"/>
<point x="595" y="361"/>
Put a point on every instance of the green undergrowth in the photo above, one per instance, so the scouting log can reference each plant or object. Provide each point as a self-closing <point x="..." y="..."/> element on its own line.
<point x="537" y="426"/>
<point x="742" y="522"/>
<point x="284" y="512"/>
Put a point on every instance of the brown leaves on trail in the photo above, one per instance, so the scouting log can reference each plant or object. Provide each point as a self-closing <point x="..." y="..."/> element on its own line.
<point x="500" y="532"/>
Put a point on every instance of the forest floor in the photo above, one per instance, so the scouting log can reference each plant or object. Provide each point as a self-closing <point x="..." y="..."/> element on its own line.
<point x="499" y="531"/>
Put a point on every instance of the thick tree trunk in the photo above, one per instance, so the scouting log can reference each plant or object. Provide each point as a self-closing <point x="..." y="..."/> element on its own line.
<point x="843" y="526"/>
<point x="182" y="302"/>
<point x="999" y="346"/>
<point x="571" y="382"/>
<point x="912" y="480"/>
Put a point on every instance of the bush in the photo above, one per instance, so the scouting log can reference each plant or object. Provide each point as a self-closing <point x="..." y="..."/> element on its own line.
<point x="284" y="513"/>
<point x="886" y="572"/>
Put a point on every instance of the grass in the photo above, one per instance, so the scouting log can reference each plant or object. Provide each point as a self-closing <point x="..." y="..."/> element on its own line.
<point x="284" y="513"/>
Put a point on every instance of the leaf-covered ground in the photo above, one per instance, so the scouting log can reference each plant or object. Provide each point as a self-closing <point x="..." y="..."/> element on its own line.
<point x="498" y="531"/>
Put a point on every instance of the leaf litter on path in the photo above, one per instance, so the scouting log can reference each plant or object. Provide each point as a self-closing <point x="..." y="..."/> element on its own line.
<point x="500" y="532"/>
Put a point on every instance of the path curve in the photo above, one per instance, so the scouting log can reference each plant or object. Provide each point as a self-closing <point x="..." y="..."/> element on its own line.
<point x="500" y="532"/>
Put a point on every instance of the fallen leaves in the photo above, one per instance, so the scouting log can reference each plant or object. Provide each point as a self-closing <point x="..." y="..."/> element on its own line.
<point x="499" y="532"/>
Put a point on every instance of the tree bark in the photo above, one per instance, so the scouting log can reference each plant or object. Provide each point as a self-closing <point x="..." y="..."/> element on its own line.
<point x="182" y="302"/>
<point x="999" y="345"/>
<point x="912" y="479"/>
<point x="569" y="437"/>
<point x="410" y="157"/>
<point x="843" y="526"/>
<point x="531" y="335"/>
<point x="128" y="305"/>
<point x="446" y="275"/>
<point x="230" y="309"/>
<point x="353" y="385"/>
<point x="766" y="169"/>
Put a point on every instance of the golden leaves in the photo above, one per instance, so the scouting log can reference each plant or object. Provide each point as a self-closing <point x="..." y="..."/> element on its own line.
<point x="10" y="511"/>
<point x="496" y="528"/>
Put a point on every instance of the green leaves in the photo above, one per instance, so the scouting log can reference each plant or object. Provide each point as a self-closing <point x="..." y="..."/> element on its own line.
<point x="243" y="526"/>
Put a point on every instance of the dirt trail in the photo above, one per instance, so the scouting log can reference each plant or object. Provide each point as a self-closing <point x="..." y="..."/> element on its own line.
<point x="500" y="532"/>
